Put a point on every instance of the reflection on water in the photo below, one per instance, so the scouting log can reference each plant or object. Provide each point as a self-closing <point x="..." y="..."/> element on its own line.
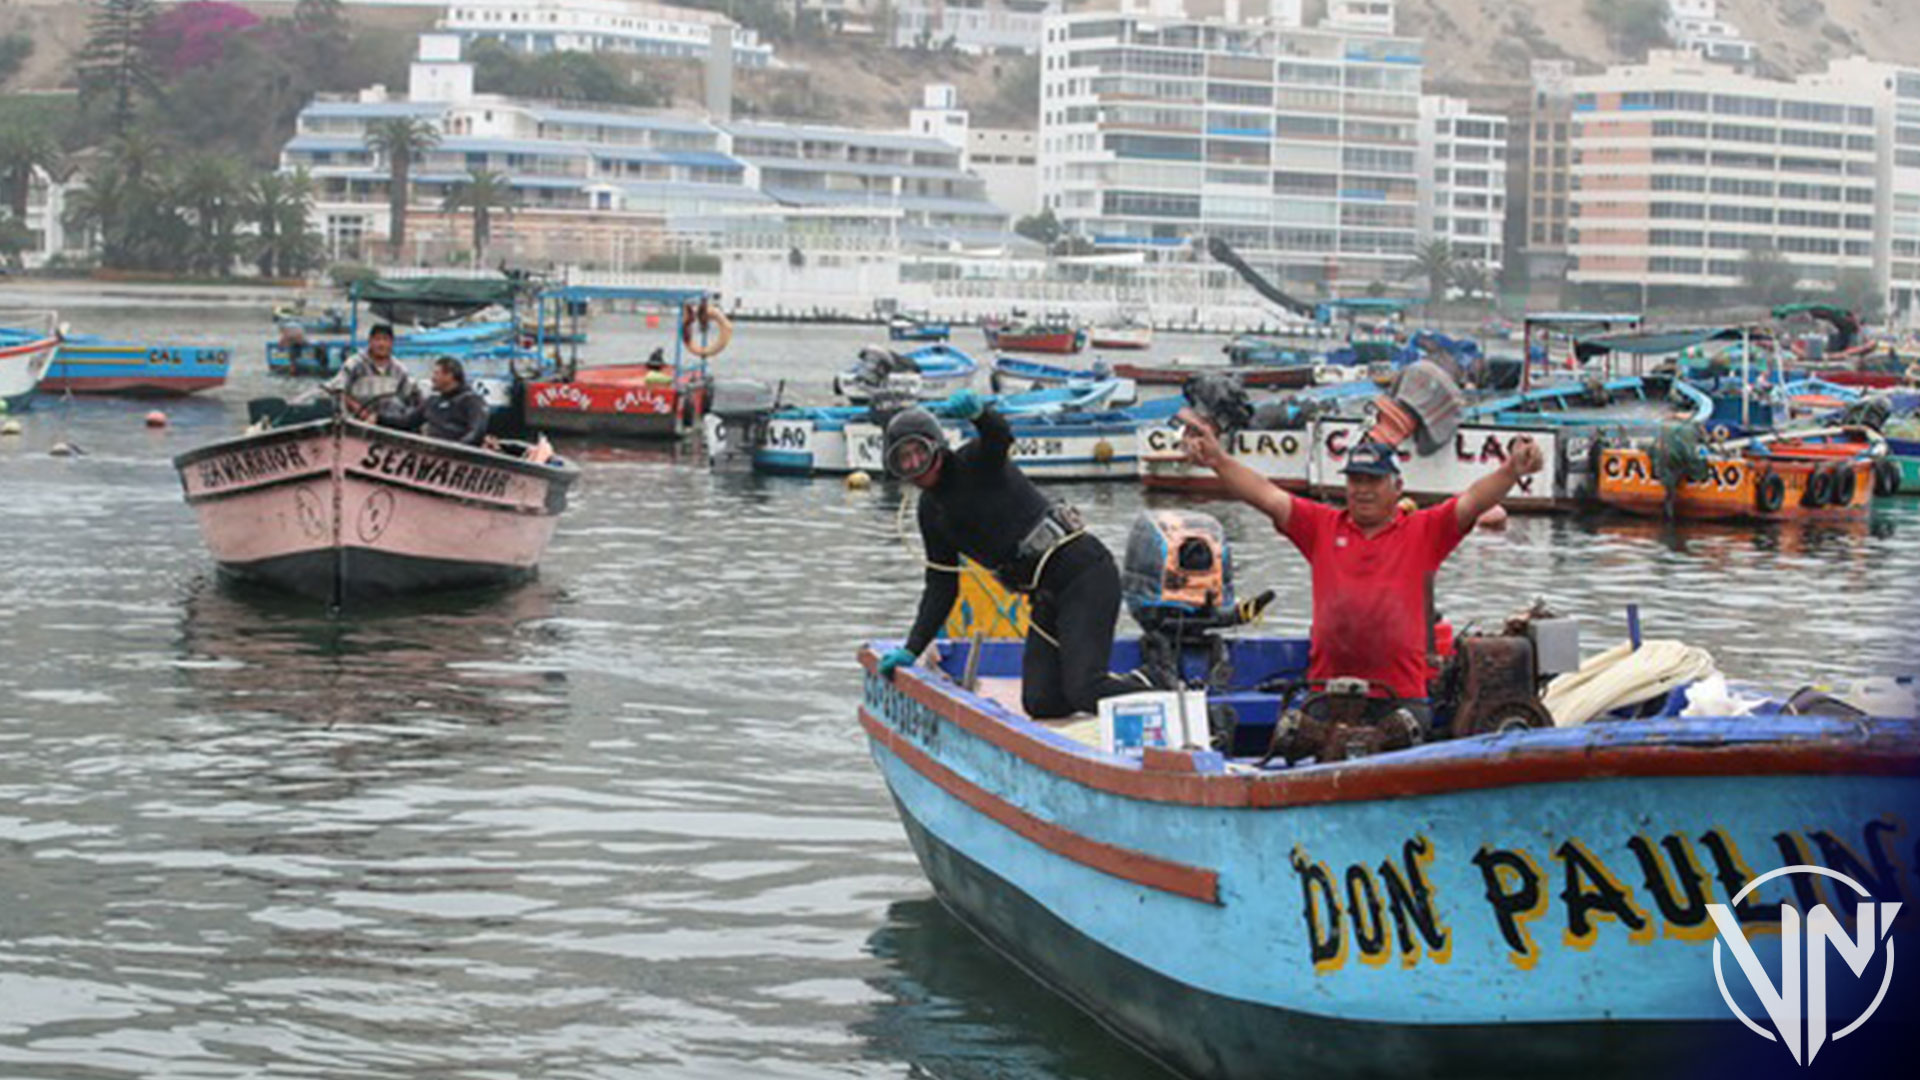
<point x="618" y="822"/>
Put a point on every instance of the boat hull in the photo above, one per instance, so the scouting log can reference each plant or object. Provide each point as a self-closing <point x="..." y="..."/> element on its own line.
<point x="619" y="402"/>
<point x="135" y="370"/>
<point x="344" y="511"/>
<point x="1309" y="459"/>
<point x="1052" y="342"/>
<point x="1296" y="377"/>
<point x="23" y="364"/>
<point x="1627" y="482"/>
<point x="1503" y="905"/>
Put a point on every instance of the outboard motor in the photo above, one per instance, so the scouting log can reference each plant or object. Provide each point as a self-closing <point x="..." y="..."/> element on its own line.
<point x="1177" y="581"/>
<point x="736" y="422"/>
<point x="880" y="373"/>
<point x="1220" y="400"/>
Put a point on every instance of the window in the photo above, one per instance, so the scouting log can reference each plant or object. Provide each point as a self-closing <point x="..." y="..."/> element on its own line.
<point x="1735" y="105"/>
<point x="1663" y="264"/>
<point x="1742" y="133"/>
<point x="1680" y="129"/>
<point x="1669" y="182"/>
<point x="1676" y="238"/>
<point x="1813" y="113"/>
<point x="1752" y="189"/>
<point x="1811" y="219"/>
<point x="1751" y="215"/>
<point x="1825" y="140"/>
<point x="1686" y="211"/>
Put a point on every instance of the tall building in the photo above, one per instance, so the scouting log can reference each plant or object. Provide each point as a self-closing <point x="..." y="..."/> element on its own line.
<point x="1895" y="94"/>
<point x="1681" y="167"/>
<point x="1540" y="164"/>
<point x="629" y="26"/>
<point x="1298" y="146"/>
<point x="1463" y="168"/>
<point x="604" y="184"/>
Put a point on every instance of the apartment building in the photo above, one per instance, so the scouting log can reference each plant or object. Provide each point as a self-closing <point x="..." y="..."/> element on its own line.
<point x="1003" y="158"/>
<point x="1297" y="145"/>
<point x="606" y="184"/>
<point x="973" y="26"/>
<point x="629" y="26"/>
<point x="1540" y="162"/>
<point x="1681" y="167"/>
<point x="1462" y="164"/>
<point x="1894" y="92"/>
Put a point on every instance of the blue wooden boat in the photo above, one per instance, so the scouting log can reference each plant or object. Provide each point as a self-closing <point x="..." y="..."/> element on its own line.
<point x="1522" y="904"/>
<point x="89" y="364"/>
<point x="906" y="328"/>
<point x="930" y="371"/>
<point x="300" y="356"/>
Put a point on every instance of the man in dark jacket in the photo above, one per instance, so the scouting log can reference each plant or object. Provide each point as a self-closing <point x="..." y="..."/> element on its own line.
<point x="455" y="412"/>
<point x="976" y="502"/>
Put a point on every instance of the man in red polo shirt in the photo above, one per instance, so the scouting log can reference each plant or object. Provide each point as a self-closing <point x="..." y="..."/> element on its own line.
<point x="1371" y="562"/>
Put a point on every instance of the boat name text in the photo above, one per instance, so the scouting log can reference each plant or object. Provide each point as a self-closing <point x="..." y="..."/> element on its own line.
<point x="433" y="471"/>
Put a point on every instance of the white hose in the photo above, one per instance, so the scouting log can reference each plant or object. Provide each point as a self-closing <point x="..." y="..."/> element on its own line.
<point x="1624" y="675"/>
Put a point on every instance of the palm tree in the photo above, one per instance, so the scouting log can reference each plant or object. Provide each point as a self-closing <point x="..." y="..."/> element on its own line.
<point x="279" y="205"/>
<point x="23" y="148"/>
<point x="1472" y="279"/>
<point x="400" y="140"/>
<point x="210" y="188"/>
<point x="482" y="192"/>
<point x="1434" y="261"/>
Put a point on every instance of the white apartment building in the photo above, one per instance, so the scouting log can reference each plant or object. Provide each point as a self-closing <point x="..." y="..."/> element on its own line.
<point x="1005" y="159"/>
<point x="1697" y="25"/>
<point x="974" y="26"/>
<point x="1895" y="94"/>
<point x="1297" y="146"/>
<point x="1463" y="169"/>
<point x="1681" y="166"/>
<point x="630" y="26"/>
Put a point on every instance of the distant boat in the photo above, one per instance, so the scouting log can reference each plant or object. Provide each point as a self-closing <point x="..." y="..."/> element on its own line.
<point x="1035" y="338"/>
<point x="87" y="364"/>
<point x="627" y="400"/>
<point x="908" y="328"/>
<point x="294" y="354"/>
<point x="25" y="355"/>
<point x="1828" y="473"/>
<point x="926" y="372"/>
<point x="1123" y="336"/>
<point x="340" y="510"/>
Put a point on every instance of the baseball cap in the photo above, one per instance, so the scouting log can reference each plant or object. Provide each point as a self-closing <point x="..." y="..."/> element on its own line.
<point x="1372" y="457"/>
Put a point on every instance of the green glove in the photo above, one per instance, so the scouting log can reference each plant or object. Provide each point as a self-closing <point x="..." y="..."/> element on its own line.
<point x="892" y="660"/>
<point x="966" y="405"/>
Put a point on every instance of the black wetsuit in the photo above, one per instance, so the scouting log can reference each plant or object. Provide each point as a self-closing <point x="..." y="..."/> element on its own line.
<point x="982" y="507"/>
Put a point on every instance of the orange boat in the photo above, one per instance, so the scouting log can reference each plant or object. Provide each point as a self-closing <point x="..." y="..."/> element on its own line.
<point x="1811" y="475"/>
<point x="663" y="399"/>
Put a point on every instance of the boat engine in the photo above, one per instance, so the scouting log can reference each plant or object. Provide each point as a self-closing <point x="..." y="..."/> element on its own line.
<point x="882" y="375"/>
<point x="1178" y="585"/>
<point x="1344" y="720"/>
<point x="1223" y="403"/>
<point x="1493" y="682"/>
<point x="736" y="421"/>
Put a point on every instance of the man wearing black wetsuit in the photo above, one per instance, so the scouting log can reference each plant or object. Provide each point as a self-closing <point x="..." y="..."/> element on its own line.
<point x="976" y="502"/>
<point x="455" y="412"/>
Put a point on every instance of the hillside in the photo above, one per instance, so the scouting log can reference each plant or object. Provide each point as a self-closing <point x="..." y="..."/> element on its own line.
<point x="1472" y="45"/>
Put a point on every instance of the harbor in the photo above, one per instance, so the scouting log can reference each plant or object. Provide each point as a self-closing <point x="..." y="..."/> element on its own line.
<point x="620" y="819"/>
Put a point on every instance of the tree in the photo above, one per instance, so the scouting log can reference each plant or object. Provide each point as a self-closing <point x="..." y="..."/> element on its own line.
<point x="1472" y="279"/>
<point x="1767" y="279"/>
<point x="1041" y="228"/>
<point x="400" y="140"/>
<point x="482" y="192"/>
<point x="1434" y="261"/>
<point x="208" y="193"/>
<point x="15" y="240"/>
<point x="280" y="205"/>
<point x="14" y="51"/>
<point x="24" y="146"/>
<point x="1633" y="26"/>
<point x="1859" y="291"/>
<point x="114" y="65"/>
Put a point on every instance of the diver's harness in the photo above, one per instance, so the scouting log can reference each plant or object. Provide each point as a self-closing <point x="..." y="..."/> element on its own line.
<point x="1057" y="528"/>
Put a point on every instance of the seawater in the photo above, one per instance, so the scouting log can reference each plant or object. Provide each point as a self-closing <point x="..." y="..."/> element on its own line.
<point x="619" y="822"/>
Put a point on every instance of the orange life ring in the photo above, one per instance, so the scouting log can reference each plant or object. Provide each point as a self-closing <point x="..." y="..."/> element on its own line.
<point x="705" y="316"/>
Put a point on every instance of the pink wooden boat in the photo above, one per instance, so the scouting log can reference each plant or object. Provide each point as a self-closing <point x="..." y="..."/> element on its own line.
<point x="337" y="509"/>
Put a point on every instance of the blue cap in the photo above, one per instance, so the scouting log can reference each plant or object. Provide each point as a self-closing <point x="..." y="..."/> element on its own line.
<point x="1373" y="458"/>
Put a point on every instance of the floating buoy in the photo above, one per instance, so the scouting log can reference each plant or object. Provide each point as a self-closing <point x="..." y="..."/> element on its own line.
<point x="1495" y="518"/>
<point x="63" y="449"/>
<point x="1103" y="452"/>
<point x="11" y="427"/>
<point x="156" y="418"/>
<point x="859" y="480"/>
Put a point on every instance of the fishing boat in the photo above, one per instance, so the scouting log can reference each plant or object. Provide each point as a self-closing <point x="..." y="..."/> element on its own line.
<point x="1259" y="870"/>
<point x="1056" y="338"/>
<point x="466" y="318"/>
<point x="1084" y="442"/>
<point x="912" y="328"/>
<point x="930" y="371"/>
<point x="1172" y="373"/>
<point x="331" y="320"/>
<point x="340" y="510"/>
<point x="1013" y="374"/>
<point x="663" y="400"/>
<point x="88" y="364"/>
<point x="1824" y="473"/>
<point x="1251" y="350"/>
<point x="26" y="351"/>
<point x="1126" y="335"/>
<point x="836" y="440"/>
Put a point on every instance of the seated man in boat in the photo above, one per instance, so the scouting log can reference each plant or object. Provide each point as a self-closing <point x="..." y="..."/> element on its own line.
<point x="1372" y="562"/>
<point x="976" y="502"/>
<point x="372" y="386"/>
<point x="658" y="373"/>
<point x="454" y="412"/>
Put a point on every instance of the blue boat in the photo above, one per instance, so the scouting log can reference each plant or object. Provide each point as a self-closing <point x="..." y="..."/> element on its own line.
<point x="1527" y="902"/>
<point x="930" y="371"/>
<point x="465" y="318"/>
<point x="299" y="356"/>
<point x="89" y="364"/>
<point x="906" y="328"/>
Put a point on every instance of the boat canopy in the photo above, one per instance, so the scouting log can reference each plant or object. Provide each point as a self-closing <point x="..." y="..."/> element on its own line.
<point x="1660" y="342"/>
<point x="660" y="297"/>
<point x="434" y="299"/>
<point x="1846" y="325"/>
